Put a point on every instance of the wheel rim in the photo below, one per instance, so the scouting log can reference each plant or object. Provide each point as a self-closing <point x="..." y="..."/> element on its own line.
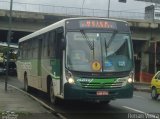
<point x="52" y="93"/>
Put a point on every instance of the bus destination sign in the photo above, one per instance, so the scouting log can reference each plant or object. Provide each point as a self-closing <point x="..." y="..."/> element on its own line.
<point x="98" y="24"/>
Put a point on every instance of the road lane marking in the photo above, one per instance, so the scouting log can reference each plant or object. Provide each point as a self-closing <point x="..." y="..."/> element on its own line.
<point x="139" y="111"/>
<point x="133" y="109"/>
<point x="41" y="102"/>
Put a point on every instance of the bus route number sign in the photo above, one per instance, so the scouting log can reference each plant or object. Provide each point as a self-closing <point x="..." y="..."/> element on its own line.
<point x="97" y="24"/>
<point x="101" y="93"/>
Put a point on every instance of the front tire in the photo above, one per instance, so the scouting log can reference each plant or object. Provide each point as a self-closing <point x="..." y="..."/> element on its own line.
<point x="154" y="94"/>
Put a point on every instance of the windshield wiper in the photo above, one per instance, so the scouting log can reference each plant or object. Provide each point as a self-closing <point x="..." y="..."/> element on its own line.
<point x="90" y="44"/>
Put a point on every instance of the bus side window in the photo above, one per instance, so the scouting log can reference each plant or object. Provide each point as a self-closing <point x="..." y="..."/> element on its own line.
<point x="59" y="36"/>
<point x="25" y="50"/>
<point x="44" y="46"/>
<point x="20" y="51"/>
<point x="29" y="48"/>
<point x="35" y="47"/>
<point x="47" y="40"/>
<point x="52" y="43"/>
<point x="32" y="47"/>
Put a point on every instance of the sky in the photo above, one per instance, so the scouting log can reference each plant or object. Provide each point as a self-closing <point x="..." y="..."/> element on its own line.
<point x="117" y="9"/>
<point x="130" y="6"/>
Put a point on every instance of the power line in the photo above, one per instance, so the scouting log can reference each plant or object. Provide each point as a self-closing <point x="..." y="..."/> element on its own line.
<point x="130" y="10"/>
<point x="151" y="1"/>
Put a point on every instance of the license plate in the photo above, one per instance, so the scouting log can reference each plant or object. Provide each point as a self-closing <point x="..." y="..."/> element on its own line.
<point x="102" y="93"/>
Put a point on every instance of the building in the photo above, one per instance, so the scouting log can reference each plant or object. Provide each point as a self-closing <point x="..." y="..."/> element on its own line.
<point x="152" y="12"/>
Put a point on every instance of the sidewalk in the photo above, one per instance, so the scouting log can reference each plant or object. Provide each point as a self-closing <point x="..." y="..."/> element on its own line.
<point x="140" y="86"/>
<point x="21" y="106"/>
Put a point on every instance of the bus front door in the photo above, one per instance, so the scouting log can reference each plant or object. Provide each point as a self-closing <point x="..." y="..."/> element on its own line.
<point x="59" y="55"/>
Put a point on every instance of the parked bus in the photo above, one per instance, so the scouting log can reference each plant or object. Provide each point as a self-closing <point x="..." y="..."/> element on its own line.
<point x="13" y="48"/>
<point x="79" y="59"/>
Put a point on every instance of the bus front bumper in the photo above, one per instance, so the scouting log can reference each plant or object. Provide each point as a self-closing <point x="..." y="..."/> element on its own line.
<point x="73" y="92"/>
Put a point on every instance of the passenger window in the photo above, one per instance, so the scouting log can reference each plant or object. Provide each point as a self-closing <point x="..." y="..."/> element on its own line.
<point x="59" y="36"/>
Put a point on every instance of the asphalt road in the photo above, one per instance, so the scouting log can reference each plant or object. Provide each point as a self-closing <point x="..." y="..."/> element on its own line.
<point x="140" y="106"/>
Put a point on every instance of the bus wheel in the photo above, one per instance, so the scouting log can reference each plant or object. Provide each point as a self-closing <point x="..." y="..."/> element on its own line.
<point x="26" y="87"/>
<point x="53" y="99"/>
<point x="154" y="94"/>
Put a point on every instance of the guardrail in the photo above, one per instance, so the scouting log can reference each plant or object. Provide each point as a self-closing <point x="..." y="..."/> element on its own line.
<point x="62" y="10"/>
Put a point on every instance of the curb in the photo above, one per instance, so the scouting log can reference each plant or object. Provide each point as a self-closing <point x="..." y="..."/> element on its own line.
<point x="142" y="86"/>
<point x="141" y="83"/>
<point x="39" y="101"/>
<point x="142" y="89"/>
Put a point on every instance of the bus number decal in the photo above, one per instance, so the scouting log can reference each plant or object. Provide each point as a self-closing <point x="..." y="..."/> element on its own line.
<point x="26" y="65"/>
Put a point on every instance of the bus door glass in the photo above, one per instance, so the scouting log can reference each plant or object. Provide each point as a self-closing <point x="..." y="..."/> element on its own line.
<point x="59" y="54"/>
<point x="39" y="56"/>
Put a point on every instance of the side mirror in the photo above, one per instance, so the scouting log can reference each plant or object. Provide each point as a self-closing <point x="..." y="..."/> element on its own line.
<point x="63" y="43"/>
<point x="156" y="77"/>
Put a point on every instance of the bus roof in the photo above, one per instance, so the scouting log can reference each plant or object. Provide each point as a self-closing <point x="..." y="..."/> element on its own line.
<point x="43" y="30"/>
<point x="59" y="24"/>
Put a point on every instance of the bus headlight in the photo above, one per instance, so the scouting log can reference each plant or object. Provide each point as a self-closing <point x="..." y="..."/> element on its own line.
<point x="131" y="77"/>
<point x="71" y="80"/>
<point x="69" y="77"/>
<point x="130" y="80"/>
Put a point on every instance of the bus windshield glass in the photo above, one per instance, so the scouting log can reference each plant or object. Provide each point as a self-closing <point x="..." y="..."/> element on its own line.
<point x="98" y="51"/>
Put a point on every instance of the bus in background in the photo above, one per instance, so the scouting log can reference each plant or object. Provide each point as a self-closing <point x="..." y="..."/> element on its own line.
<point x="2" y="66"/>
<point x="88" y="59"/>
<point x="13" y="48"/>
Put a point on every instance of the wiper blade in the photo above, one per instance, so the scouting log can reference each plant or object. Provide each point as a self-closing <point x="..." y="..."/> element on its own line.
<point x="90" y="44"/>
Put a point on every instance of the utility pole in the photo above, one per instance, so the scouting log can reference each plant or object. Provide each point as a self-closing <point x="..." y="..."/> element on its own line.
<point x="8" y="41"/>
<point x="108" y="7"/>
<point x="155" y="57"/>
<point x="82" y="6"/>
<point x="152" y="1"/>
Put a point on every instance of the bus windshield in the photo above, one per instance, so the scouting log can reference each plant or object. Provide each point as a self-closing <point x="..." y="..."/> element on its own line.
<point x="98" y="51"/>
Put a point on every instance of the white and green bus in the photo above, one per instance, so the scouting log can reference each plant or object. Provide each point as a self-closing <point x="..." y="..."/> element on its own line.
<point x="79" y="59"/>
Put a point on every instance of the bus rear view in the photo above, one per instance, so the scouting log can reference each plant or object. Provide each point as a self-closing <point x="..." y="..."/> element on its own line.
<point x="99" y="63"/>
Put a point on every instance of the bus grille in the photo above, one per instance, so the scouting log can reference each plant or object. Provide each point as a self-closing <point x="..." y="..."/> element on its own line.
<point x="101" y="85"/>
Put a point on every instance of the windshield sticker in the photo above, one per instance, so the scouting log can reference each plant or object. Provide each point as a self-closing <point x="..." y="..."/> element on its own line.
<point x="108" y="64"/>
<point x="96" y="66"/>
<point x="25" y="65"/>
<point x="122" y="63"/>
